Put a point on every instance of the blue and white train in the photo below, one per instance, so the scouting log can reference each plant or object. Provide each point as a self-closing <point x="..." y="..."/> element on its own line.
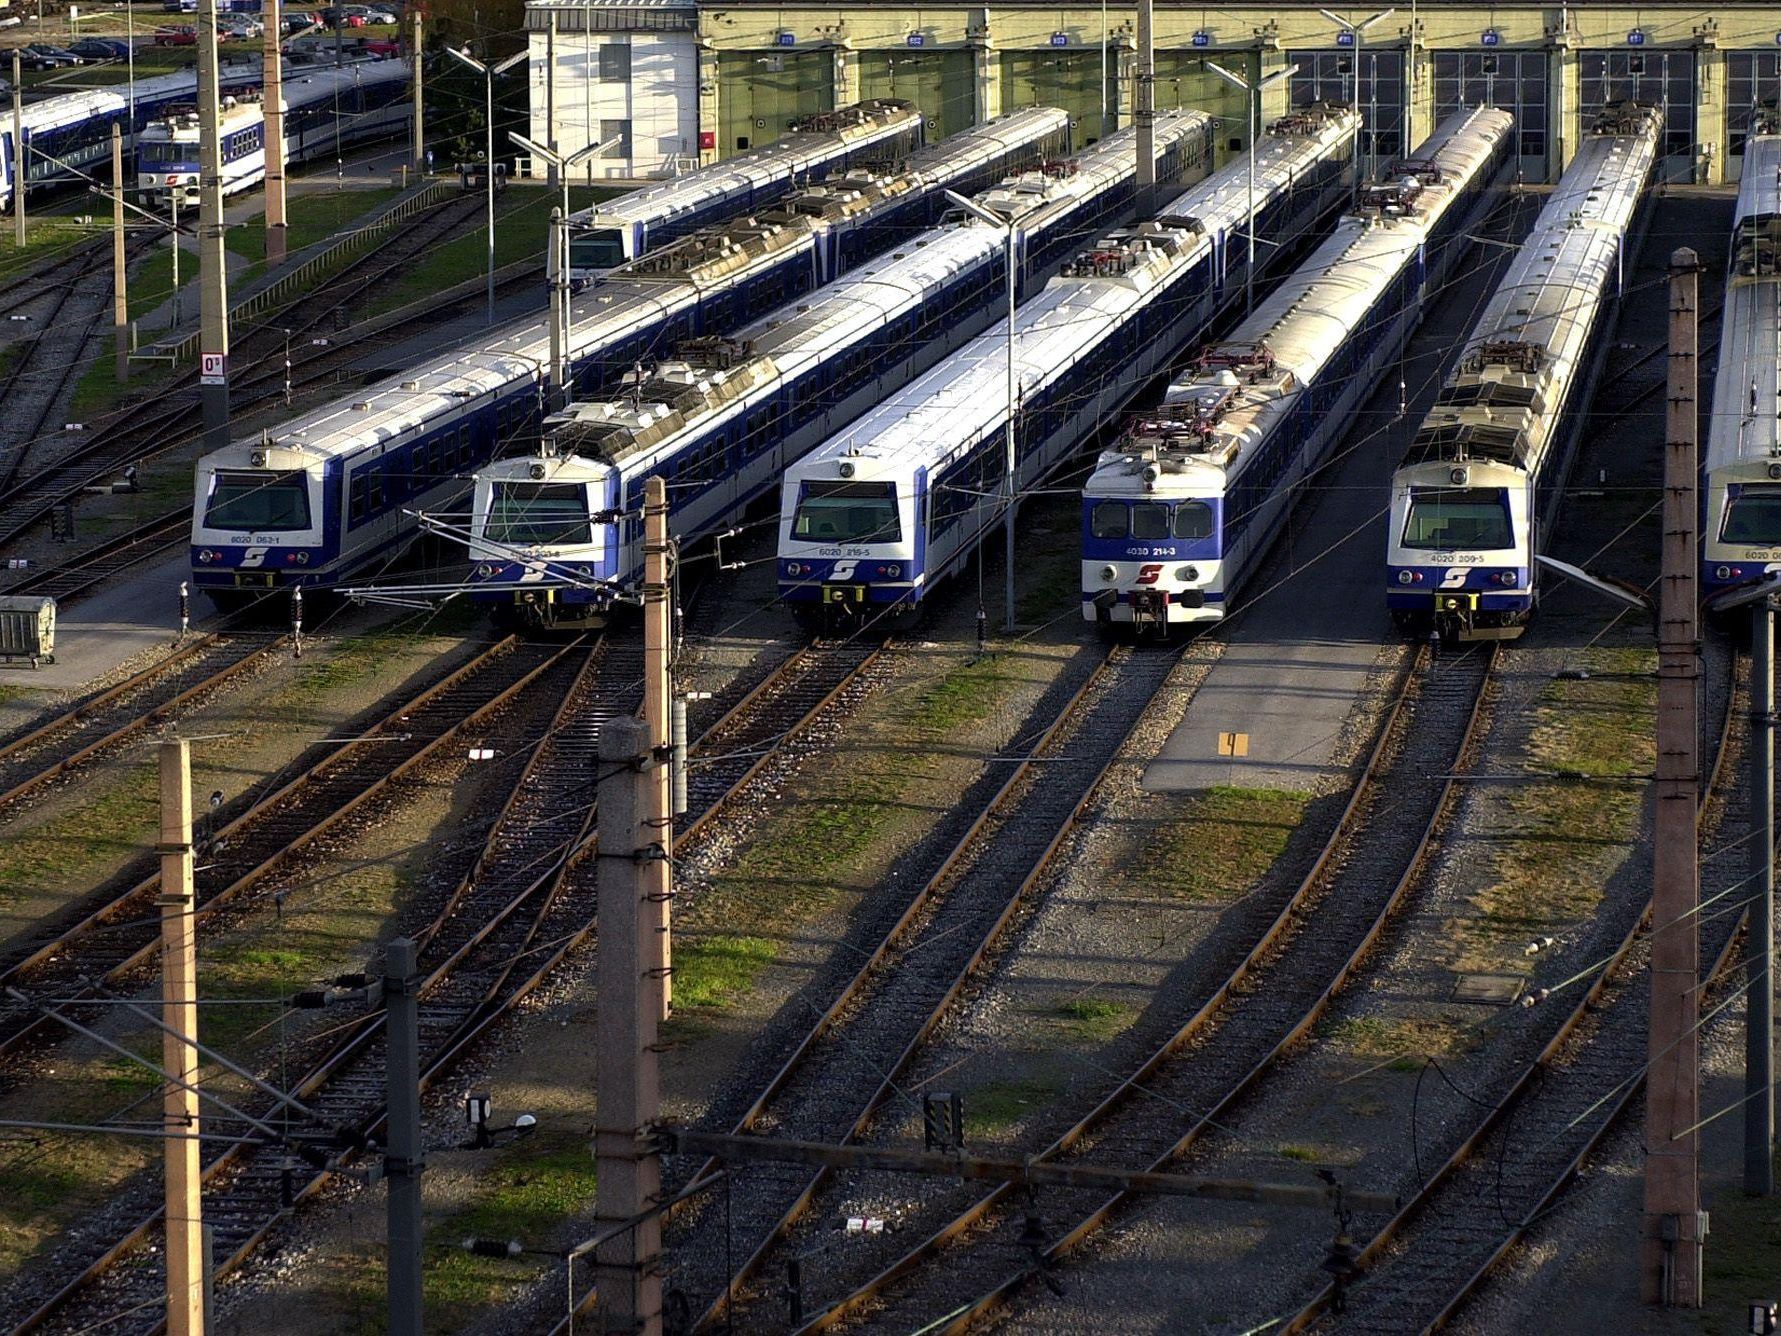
<point x="882" y="512"/>
<point x="606" y="236"/>
<point x="721" y="424"/>
<point x="1741" y="473"/>
<point x="325" y="500"/>
<point x="1179" y="513"/>
<point x="69" y="135"/>
<point x="326" y="109"/>
<point x="1484" y="472"/>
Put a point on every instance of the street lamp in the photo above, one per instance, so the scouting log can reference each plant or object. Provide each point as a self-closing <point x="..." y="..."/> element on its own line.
<point x="1358" y="32"/>
<point x="488" y="73"/>
<point x="1255" y="137"/>
<point x="972" y="207"/>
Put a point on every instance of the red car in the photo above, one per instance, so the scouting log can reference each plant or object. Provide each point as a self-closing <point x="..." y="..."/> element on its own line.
<point x="176" y="35"/>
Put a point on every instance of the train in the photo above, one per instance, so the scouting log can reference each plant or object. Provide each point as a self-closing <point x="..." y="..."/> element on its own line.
<point x="881" y="513"/>
<point x="603" y="237"/>
<point x="1741" y="465"/>
<point x="554" y="535"/>
<point x="330" y="496"/>
<point x="1181" y="510"/>
<point x="68" y="137"/>
<point x="326" y="110"/>
<point x="1483" y="474"/>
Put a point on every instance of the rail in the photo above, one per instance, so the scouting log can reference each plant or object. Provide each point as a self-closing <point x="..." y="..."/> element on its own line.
<point x="306" y="273"/>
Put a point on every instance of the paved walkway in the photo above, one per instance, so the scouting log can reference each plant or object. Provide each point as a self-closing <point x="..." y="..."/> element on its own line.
<point x="126" y="617"/>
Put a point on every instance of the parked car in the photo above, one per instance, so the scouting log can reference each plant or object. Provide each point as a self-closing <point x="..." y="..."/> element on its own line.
<point x="382" y="16"/>
<point x="241" y="25"/>
<point x="386" y="47"/>
<point x="43" y="56"/>
<point x="176" y="35"/>
<point x="101" y="48"/>
<point x="298" y="22"/>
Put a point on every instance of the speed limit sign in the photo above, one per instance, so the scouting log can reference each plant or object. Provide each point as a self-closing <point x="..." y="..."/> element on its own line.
<point x="210" y="369"/>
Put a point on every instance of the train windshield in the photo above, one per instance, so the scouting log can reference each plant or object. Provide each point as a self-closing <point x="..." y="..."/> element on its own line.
<point x="524" y="514"/>
<point x="603" y="248"/>
<point x="263" y="502"/>
<point x="1754" y="517"/>
<point x="1445" y="519"/>
<point x="847" y="512"/>
<point x="1150" y="520"/>
<point x="149" y="153"/>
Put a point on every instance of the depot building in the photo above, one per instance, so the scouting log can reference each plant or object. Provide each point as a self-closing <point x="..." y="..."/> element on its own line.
<point x="666" y="85"/>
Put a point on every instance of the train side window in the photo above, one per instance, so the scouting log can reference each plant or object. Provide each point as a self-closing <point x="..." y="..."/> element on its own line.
<point x="1109" y="519"/>
<point x="357" y="506"/>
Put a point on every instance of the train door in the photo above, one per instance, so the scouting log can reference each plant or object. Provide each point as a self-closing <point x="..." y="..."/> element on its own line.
<point x="764" y="92"/>
<point x="939" y="83"/>
<point x="1751" y="79"/>
<point x="1370" y="79"/>
<point x="1512" y="80"/>
<point x="1665" y="77"/>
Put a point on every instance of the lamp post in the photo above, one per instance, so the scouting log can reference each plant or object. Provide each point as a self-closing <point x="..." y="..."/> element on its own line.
<point x="1358" y="33"/>
<point x="488" y="73"/>
<point x="563" y="161"/>
<point x="972" y="207"/>
<point x="1255" y="135"/>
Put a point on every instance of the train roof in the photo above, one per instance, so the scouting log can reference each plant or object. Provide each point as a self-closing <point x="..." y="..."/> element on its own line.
<point x="812" y="142"/>
<point x="957" y="399"/>
<point x="1745" y="424"/>
<point x="1217" y="413"/>
<point x="460" y="377"/>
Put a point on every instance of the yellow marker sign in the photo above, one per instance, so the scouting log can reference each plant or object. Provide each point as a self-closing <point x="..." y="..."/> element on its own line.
<point x="1233" y="744"/>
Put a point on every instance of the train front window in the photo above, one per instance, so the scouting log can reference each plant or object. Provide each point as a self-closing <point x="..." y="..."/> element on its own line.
<point x="1110" y="519"/>
<point x="600" y="249"/>
<point x="166" y="152"/>
<point x="1753" y="517"/>
<point x="262" y="502"/>
<point x="1446" y="519"/>
<point x="524" y="514"/>
<point x="1150" y="520"/>
<point x="847" y="512"/>
<point x="1193" y="519"/>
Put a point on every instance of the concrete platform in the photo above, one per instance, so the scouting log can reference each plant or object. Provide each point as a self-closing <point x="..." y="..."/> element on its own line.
<point x="127" y="618"/>
<point x="1299" y="653"/>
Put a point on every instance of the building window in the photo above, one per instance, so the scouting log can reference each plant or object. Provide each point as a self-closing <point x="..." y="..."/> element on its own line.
<point x="615" y="62"/>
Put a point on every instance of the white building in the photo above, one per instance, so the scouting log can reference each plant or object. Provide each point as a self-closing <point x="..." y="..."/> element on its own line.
<point x="625" y="70"/>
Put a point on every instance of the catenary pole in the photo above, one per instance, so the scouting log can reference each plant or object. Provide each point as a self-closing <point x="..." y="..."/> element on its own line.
<point x="120" y="298"/>
<point x="627" y="1168"/>
<point x="1670" y="1247"/>
<point x="272" y="94"/>
<point x="1146" y="108"/>
<point x="1759" y="998"/>
<point x="404" y="1160"/>
<point x="658" y="693"/>
<point x="179" y="1046"/>
<point x="213" y="283"/>
<point x="20" y="170"/>
<point x="420" y="130"/>
<point x="1011" y="462"/>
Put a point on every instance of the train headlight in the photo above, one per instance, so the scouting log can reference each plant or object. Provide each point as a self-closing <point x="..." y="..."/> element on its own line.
<point x="1775" y="470"/>
<point x="889" y="571"/>
<point x="206" y="556"/>
<point x="1406" y="577"/>
<point x="536" y="472"/>
<point x="1504" y="578"/>
<point x="1187" y="574"/>
<point x="1724" y="572"/>
<point x="1457" y="477"/>
<point x="257" y="459"/>
<point x="1110" y="573"/>
<point x="486" y="571"/>
<point x="796" y="568"/>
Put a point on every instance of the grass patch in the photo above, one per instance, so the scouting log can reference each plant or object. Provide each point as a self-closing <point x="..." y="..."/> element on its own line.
<point x="999" y="1105"/>
<point x="1216" y="845"/>
<point x="522" y="221"/>
<point x="527" y="1194"/>
<point x="1092" y="1019"/>
<point x="1566" y="838"/>
<point x="69" y="849"/>
<point x="355" y="659"/>
<point x="1302" y="1154"/>
<point x="46" y="237"/>
<point x="1402" y="1044"/>
<point x="310" y="216"/>
<point x="711" y="973"/>
<point x="1742" y="1258"/>
<point x="965" y="696"/>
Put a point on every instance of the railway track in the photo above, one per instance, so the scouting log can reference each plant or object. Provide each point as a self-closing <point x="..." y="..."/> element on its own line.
<point x="42" y="280"/>
<point x="68" y="579"/>
<point x="107" y="946"/>
<point x="525" y="902"/>
<point x="1516" y="1158"/>
<point x="843" y="1069"/>
<point x="99" y="724"/>
<point x="139" y="432"/>
<point x="1264" y="1006"/>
